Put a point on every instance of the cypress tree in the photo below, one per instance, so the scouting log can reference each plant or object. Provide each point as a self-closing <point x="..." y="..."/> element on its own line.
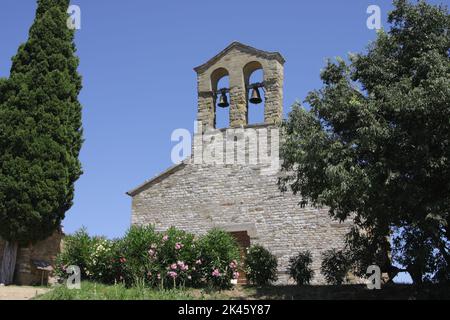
<point x="40" y="133"/>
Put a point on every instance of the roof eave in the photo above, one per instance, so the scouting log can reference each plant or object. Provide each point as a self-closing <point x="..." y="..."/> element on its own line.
<point x="159" y="177"/>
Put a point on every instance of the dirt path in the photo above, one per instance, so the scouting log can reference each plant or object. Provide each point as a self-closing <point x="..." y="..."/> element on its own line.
<point x="20" y="293"/>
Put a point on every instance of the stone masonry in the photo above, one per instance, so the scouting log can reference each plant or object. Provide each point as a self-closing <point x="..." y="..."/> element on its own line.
<point x="197" y="198"/>
<point x="238" y="197"/>
<point x="26" y="272"/>
<point x="239" y="61"/>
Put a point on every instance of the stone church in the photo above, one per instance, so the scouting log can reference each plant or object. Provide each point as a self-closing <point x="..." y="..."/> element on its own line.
<point x="240" y="197"/>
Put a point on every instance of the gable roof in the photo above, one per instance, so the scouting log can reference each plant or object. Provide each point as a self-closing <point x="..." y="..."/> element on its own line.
<point x="156" y="179"/>
<point x="245" y="48"/>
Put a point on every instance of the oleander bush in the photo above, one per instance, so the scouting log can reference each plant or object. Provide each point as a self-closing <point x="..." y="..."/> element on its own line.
<point x="159" y="259"/>
<point x="300" y="268"/>
<point x="218" y="259"/>
<point x="94" y="256"/>
<point x="146" y="257"/>
<point x="261" y="266"/>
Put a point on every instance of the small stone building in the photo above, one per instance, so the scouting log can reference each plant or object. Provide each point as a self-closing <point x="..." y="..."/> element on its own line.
<point x="34" y="264"/>
<point x="242" y="198"/>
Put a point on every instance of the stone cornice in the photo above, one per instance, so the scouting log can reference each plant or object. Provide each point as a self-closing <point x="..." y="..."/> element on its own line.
<point x="242" y="47"/>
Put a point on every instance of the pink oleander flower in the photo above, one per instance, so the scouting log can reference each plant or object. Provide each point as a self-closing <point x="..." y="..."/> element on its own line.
<point x="153" y="246"/>
<point x="122" y="260"/>
<point x="216" y="273"/>
<point x="198" y="262"/>
<point x="165" y="238"/>
<point x="236" y="275"/>
<point x="159" y="276"/>
<point x="174" y="266"/>
<point x="178" y="246"/>
<point x="172" y="274"/>
<point x="233" y="264"/>
<point x="151" y="252"/>
<point x="182" y="266"/>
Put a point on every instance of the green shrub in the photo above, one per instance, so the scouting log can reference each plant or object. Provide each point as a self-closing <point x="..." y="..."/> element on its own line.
<point x="144" y="257"/>
<point x="132" y="262"/>
<point x="101" y="266"/>
<point x="159" y="259"/>
<point x="335" y="266"/>
<point x="94" y="256"/>
<point x="219" y="258"/>
<point x="76" y="252"/>
<point x="261" y="266"/>
<point x="174" y="259"/>
<point x="300" y="268"/>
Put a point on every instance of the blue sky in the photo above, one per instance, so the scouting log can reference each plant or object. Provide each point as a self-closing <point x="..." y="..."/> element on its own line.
<point x="137" y="59"/>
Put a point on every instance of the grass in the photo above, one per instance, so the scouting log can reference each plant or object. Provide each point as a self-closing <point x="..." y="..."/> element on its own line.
<point x="95" y="291"/>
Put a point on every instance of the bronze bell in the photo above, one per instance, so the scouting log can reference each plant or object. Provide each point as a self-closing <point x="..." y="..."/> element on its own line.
<point x="256" y="96"/>
<point x="223" y="102"/>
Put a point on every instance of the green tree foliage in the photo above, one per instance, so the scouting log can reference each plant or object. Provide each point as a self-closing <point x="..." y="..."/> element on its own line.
<point x="374" y="147"/>
<point x="40" y="129"/>
<point x="335" y="266"/>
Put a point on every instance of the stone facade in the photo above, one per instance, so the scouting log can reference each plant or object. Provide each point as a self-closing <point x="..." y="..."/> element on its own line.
<point x="238" y="197"/>
<point x="197" y="198"/>
<point x="26" y="272"/>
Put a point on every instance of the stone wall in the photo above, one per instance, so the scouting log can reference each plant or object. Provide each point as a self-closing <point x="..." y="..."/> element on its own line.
<point x="26" y="272"/>
<point x="197" y="198"/>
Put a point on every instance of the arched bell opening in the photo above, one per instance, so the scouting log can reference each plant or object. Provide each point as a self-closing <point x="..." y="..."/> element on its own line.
<point x="254" y="82"/>
<point x="220" y="82"/>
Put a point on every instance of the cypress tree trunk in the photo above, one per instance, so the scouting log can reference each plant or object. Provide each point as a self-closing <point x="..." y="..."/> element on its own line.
<point x="8" y="263"/>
